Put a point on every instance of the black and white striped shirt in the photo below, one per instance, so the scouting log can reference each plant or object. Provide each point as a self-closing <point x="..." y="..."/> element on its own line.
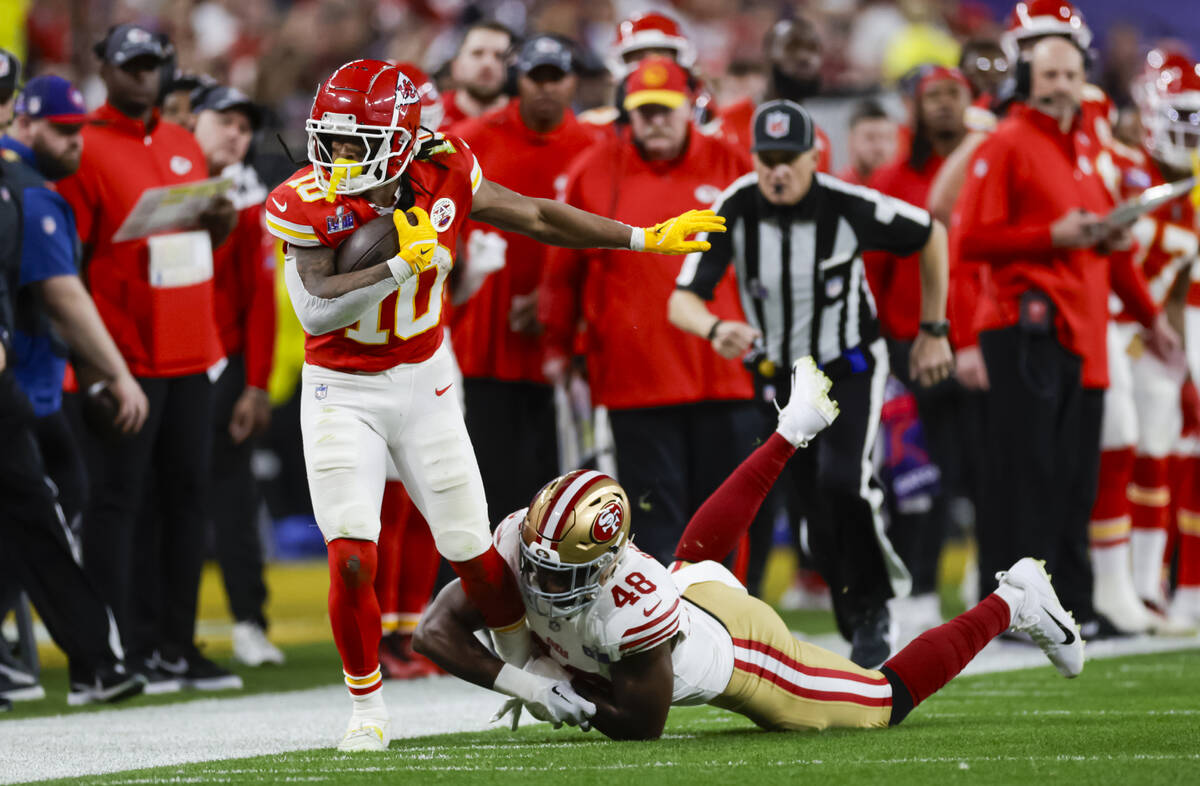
<point x="799" y="267"/>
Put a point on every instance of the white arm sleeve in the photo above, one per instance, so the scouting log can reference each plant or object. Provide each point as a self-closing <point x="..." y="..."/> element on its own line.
<point x="320" y="315"/>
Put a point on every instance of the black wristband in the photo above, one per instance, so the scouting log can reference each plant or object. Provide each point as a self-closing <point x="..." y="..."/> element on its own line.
<point x="936" y="329"/>
<point x="712" y="331"/>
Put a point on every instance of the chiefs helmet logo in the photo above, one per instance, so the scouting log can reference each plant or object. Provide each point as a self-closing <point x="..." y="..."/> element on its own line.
<point x="608" y="523"/>
<point x="406" y="91"/>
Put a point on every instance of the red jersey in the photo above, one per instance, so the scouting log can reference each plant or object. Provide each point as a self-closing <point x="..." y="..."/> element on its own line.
<point x="1167" y="239"/>
<point x="636" y="358"/>
<point x="405" y="327"/>
<point x="1023" y="178"/>
<point x="896" y="281"/>
<point x="735" y="129"/>
<point x="162" y="330"/>
<point x="535" y="165"/>
<point x="244" y="288"/>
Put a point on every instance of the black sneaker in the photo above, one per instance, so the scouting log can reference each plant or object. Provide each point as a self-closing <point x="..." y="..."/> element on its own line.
<point x="17" y="684"/>
<point x="109" y="684"/>
<point x="158" y="681"/>
<point x="873" y="640"/>
<point x="203" y="674"/>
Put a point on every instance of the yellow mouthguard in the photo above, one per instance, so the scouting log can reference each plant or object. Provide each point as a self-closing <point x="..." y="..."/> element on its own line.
<point x="1195" y="195"/>
<point x="342" y="169"/>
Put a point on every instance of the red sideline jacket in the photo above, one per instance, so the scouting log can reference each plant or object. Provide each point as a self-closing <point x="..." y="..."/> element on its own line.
<point x="162" y="332"/>
<point x="244" y="275"/>
<point x="636" y="358"/>
<point x="1022" y="179"/>
<point x="535" y="165"/>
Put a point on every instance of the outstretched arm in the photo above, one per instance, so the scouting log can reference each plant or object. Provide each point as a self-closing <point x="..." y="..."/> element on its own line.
<point x="559" y="224"/>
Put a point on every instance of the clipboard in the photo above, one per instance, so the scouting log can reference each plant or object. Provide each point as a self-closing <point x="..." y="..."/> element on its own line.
<point x="170" y="208"/>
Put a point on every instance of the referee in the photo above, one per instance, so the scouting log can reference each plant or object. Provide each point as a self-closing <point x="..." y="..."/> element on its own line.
<point x="795" y="239"/>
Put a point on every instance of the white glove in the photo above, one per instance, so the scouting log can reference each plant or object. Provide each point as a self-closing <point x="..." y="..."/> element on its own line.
<point x="486" y="253"/>
<point x="554" y="701"/>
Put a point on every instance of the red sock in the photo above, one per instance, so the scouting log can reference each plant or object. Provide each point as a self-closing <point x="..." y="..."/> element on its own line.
<point x="391" y="538"/>
<point x="1188" y="520"/>
<point x="491" y="588"/>
<point x="1149" y="495"/>
<point x="725" y="516"/>
<point x="939" y="654"/>
<point x="354" y="610"/>
<point x="419" y="560"/>
<point x="1110" y="515"/>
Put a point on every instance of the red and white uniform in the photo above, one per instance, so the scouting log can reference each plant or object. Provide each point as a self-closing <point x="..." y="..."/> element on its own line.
<point x="638" y="608"/>
<point x="380" y="388"/>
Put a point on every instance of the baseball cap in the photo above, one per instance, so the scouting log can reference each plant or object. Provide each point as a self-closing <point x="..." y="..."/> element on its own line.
<point x="222" y="97"/>
<point x="52" y="98"/>
<point x="782" y="125"/>
<point x="544" y="50"/>
<point x="939" y="73"/>
<point x="125" y="42"/>
<point x="656" y="80"/>
<point x="10" y="74"/>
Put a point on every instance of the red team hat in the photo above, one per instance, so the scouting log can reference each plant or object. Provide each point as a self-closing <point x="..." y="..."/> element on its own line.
<point x="657" y="80"/>
<point x="651" y="30"/>
<point x="1037" y="18"/>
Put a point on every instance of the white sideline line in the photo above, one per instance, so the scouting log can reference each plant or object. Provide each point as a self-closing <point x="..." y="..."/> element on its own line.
<point x="116" y="740"/>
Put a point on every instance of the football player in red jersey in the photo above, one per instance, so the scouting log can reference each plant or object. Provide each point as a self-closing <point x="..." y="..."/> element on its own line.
<point x="377" y="371"/>
<point x="622" y="638"/>
<point x="1143" y="415"/>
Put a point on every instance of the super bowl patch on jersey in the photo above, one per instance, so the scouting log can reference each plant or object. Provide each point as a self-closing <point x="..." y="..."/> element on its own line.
<point x="341" y="221"/>
<point x="441" y="215"/>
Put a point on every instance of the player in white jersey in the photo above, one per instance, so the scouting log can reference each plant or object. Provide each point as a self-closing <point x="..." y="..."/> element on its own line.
<point x="622" y="638"/>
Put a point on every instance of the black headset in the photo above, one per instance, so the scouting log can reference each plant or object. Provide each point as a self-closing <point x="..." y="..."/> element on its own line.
<point x="1023" y="74"/>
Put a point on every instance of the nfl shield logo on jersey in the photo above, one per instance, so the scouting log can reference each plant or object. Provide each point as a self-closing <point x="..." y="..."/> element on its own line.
<point x="321" y="392"/>
<point x="340" y="221"/>
<point x="777" y="125"/>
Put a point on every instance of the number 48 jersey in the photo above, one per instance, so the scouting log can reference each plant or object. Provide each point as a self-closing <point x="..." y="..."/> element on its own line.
<point x="405" y="327"/>
<point x="639" y="608"/>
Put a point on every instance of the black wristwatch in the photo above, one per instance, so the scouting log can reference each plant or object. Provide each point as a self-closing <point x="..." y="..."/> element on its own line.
<point x="936" y="329"/>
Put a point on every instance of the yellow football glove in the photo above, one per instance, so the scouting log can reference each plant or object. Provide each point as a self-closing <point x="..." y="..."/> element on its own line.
<point x="342" y="169"/>
<point x="417" y="241"/>
<point x="670" y="237"/>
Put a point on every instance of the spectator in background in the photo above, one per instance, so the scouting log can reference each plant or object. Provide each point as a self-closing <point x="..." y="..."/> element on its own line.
<point x="37" y="255"/>
<point x="870" y="141"/>
<point x="510" y="411"/>
<point x="941" y="98"/>
<point x="479" y="71"/>
<point x="244" y="291"/>
<point x="792" y="50"/>
<point x="984" y="65"/>
<point x="674" y="406"/>
<point x="138" y="556"/>
<point x="1031" y="210"/>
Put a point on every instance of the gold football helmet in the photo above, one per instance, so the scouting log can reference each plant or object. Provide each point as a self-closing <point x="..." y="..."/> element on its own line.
<point x="575" y="532"/>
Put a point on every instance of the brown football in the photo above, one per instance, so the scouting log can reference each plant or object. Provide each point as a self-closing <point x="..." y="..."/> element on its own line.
<point x="372" y="243"/>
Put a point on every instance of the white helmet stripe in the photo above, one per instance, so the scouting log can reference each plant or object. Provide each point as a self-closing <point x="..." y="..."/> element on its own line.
<point x="566" y="500"/>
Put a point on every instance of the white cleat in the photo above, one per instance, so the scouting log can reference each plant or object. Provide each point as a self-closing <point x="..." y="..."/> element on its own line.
<point x="251" y="647"/>
<point x="366" y="734"/>
<point x="1164" y="623"/>
<point x="1043" y="617"/>
<point x="810" y="409"/>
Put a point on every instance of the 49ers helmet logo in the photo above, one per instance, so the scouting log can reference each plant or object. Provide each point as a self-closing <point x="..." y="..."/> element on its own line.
<point x="607" y="523"/>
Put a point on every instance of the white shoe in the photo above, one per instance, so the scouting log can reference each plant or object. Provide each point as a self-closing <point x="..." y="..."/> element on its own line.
<point x="251" y="648"/>
<point x="1186" y="603"/>
<point x="1042" y="616"/>
<point x="810" y="409"/>
<point x="1165" y="623"/>
<point x="366" y="734"/>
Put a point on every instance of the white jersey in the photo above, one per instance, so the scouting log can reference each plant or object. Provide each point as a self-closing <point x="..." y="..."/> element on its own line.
<point x="639" y="607"/>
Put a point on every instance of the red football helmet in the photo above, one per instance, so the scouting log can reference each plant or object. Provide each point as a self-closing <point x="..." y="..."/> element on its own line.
<point x="374" y="103"/>
<point x="1037" y="18"/>
<point x="432" y="110"/>
<point x="1168" y="97"/>
<point x="649" y="30"/>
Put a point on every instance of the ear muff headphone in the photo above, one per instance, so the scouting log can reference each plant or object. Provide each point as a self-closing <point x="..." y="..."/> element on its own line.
<point x="1023" y="73"/>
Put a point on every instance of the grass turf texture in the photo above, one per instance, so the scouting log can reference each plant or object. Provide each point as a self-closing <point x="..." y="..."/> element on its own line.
<point x="1125" y="720"/>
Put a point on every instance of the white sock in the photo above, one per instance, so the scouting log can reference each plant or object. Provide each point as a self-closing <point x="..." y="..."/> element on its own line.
<point x="1147" y="547"/>
<point x="1013" y="597"/>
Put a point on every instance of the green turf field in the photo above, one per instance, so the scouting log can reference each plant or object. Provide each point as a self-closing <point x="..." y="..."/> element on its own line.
<point x="1131" y="720"/>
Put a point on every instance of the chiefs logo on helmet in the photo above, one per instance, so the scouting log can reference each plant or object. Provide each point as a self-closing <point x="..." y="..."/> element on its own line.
<point x="607" y="523"/>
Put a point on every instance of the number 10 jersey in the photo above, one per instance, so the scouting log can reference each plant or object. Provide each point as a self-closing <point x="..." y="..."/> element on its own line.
<point x="405" y="327"/>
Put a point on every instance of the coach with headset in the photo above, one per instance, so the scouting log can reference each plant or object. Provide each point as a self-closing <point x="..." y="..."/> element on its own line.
<point x="795" y="239"/>
<point x="1031" y="209"/>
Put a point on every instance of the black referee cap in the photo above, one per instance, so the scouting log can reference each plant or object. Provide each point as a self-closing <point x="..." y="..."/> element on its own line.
<point x="782" y="125"/>
<point x="10" y="74"/>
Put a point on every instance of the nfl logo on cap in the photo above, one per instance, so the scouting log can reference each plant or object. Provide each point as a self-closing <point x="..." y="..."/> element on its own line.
<point x="777" y="124"/>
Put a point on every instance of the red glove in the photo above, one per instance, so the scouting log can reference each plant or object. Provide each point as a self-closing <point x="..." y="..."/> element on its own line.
<point x="1189" y="401"/>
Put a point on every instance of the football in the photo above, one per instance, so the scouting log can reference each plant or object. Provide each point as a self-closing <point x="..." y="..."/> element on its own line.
<point x="372" y="243"/>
